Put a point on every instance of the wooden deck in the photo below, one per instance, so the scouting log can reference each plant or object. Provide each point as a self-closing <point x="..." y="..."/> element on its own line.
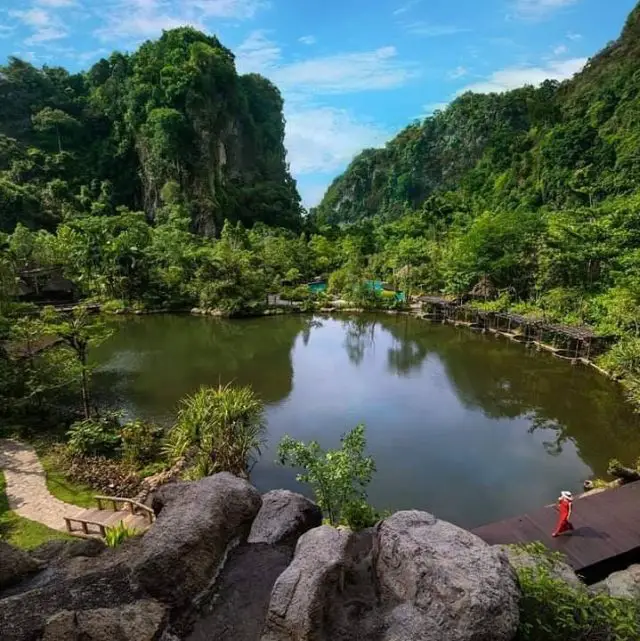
<point x="110" y="511"/>
<point x="606" y="536"/>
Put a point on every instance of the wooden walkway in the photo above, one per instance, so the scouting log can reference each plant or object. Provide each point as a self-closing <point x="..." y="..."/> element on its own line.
<point x="606" y="536"/>
<point x="110" y="511"/>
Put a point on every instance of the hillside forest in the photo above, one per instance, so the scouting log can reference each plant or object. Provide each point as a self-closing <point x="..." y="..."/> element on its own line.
<point x="158" y="179"/>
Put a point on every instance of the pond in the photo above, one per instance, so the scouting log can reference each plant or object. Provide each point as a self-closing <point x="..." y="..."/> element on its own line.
<point x="471" y="427"/>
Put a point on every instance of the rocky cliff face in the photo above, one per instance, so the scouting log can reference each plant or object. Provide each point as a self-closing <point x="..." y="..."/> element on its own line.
<point x="221" y="562"/>
<point x="172" y="124"/>
<point x="218" y="136"/>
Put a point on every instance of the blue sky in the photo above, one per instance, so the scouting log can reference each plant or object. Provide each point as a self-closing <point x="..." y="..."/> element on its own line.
<point x="353" y="72"/>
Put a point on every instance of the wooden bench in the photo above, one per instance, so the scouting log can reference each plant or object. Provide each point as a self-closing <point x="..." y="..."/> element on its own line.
<point x="110" y="511"/>
<point x="132" y="506"/>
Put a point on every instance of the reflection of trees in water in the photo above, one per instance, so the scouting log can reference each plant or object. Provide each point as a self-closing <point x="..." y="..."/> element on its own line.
<point x="359" y="335"/>
<point x="168" y="356"/>
<point x="174" y="355"/>
<point x="575" y="404"/>
<point x="306" y="332"/>
<point x="407" y="353"/>
<point x="505" y="380"/>
<point x="553" y="447"/>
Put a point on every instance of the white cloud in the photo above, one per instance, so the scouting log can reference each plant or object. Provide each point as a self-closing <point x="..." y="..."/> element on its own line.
<point x="29" y="56"/>
<point x="514" y="77"/>
<point x="6" y="31"/>
<point x="405" y="7"/>
<point x="344" y="73"/>
<point x="45" y="26"/>
<point x="336" y="74"/>
<point x="574" y="36"/>
<point x="431" y="30"/>
<point x="458" y="72"/>
<point x="307" y="40"/>
<point x="536" y="9"/>
<point x="90" y="56"/>
<point x="560" y="49"/>
<point x="135" y="20"/>
<point x="325" y="139"/>
<point x="257" y="53"/>
<point x="139" y="19"/>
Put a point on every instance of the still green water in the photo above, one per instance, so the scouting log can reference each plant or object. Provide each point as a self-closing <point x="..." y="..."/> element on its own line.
<point x="472" y="428"/>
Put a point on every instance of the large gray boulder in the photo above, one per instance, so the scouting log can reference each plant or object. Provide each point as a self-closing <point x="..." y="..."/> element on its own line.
<point x="305" y="594"/>
<point x="176" y="559"/>
<point x="413" y="578"/>
<point x="624" y="584"/>
<point x="283" y="518"/>
<point x="15" y="565"/>
<point x="448" y="584"/>
<point x="98" y="584"/>
<point x="140" y="621"/>
<point x="59" y="551"/>
<point x="189" y="541"/>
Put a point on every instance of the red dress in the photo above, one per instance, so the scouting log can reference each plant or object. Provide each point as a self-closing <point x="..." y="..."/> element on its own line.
<point x="564" y="525"/>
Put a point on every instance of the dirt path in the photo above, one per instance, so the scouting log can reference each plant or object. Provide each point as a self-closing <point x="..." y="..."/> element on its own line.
<point x="26" y="487"/>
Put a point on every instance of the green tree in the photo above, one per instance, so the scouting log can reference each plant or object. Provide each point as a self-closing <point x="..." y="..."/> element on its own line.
<point x="218" y="430"/>
<point x="79" y="331"/>
<point x="338" y="477"/>
<point x="49" y="119"/>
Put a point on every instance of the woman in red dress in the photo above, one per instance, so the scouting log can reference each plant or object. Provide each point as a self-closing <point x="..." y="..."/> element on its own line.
<point x="564" y="514"/>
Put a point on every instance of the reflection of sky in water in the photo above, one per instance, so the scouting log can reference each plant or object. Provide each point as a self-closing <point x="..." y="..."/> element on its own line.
<point x="449" y="414"/>
<point x="431" y="452"/>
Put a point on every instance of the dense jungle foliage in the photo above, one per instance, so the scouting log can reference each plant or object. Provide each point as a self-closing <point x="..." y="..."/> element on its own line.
<point x="535" y="190"/>
<point x="171" y="122"/>
<point x="159" y="180"/>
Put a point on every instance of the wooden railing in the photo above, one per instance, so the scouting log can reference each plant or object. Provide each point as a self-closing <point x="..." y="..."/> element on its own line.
<point x="84" y="525"/>
<point x="133" y="506"/>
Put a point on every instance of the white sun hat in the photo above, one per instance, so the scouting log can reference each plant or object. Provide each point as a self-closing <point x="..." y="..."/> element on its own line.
<point x="566" y="495"/>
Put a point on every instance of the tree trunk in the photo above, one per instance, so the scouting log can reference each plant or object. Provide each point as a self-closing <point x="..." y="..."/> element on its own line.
<point x="59" y="140"/>
<point x="625" y="474"/>
<point x="85" y="385"/>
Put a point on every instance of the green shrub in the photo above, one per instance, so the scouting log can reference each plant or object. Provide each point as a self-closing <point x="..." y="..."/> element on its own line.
<point x="150" y="469"/>
<point x="553" y="610"/>
<point x="94" y="436"/>
<point x="118" y="534"/>
<point x="338" y="477"/>
<point x="623" y="359"/>
<point x="359" y="515"/>
<point x="140" y="441"/>
<point x="218" y="430"/>
<point x="298" y="294"/>
<point x="114" y="306"/>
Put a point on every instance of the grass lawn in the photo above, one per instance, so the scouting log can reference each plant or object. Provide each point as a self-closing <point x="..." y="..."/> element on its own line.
<point x="21" y="532"/>
<point x="64" y="489"/>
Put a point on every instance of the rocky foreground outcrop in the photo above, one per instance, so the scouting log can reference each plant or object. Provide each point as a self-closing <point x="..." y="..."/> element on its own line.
<point x="413" y="578"/>
<point x="223" y="563"/>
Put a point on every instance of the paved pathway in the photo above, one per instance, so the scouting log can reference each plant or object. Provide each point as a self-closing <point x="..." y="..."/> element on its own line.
<point x="26" y="487"/>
